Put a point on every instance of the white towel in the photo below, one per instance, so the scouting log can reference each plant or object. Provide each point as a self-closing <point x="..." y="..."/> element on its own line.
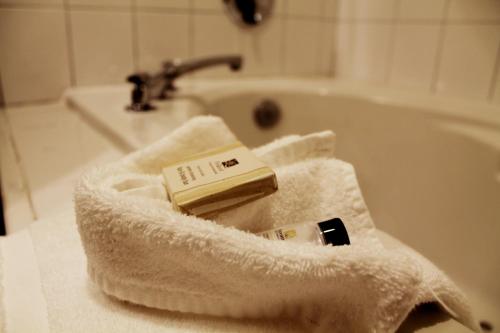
<point x="73" y="304"/>
<point x="140" y="250"/>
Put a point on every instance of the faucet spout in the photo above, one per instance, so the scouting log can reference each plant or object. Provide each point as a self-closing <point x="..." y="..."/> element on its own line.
<point x="161" y="85"/>
<point x="176" y="68"/>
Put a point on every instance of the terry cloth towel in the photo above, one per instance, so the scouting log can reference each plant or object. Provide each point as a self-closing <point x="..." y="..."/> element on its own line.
<point x="139" y="250"/>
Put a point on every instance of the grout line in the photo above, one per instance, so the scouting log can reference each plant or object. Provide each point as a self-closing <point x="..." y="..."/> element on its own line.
<point x="320" y="47"/>
<point x="95" y="8"/>
<point x="496" y="73"/>
<point x="135" y="36"/>
<point x="191" y="30"/>
<point x="331" y="57"/>
<point x="367" y="20"/>
<point x="332" y="39"/>
<point x="21" y="168"/>
<point x="29" y="6"/>
<point x="333" y="49"/>
<point x="308" y="17"/>
<point x="472" y="21"/>
<point x="172" y="10"/>
<point x="416" y="21"/>
<point x="208" y="11"/>
<point x="439" y="51"/>
<point x="283" y="20"/>
<point x="38" y="101"/>
<point x="2" y="96"/>
<point x="392" y="42"/>
<point x="69" y="44"/>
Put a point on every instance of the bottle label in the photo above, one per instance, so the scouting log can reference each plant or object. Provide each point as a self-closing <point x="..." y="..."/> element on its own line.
<point x="295" y="233"/>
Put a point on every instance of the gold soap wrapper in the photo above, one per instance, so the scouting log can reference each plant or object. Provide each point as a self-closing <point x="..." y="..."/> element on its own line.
<point x="211" y="198"/>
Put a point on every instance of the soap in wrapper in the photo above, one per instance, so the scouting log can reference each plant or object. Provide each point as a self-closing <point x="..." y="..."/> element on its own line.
<point x="217" y="180"/>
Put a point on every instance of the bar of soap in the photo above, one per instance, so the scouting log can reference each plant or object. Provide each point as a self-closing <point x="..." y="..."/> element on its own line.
<point x="217" y="180"/>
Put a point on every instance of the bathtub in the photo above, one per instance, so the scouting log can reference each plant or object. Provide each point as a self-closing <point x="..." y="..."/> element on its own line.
<point x="429" y="167"/>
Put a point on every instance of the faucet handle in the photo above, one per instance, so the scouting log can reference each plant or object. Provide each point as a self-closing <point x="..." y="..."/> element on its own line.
<point x="138" y="78"/>
<point x="140" y="93"/>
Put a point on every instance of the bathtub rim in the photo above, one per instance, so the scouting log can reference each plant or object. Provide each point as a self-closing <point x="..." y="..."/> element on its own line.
<point x="211" y="90"/>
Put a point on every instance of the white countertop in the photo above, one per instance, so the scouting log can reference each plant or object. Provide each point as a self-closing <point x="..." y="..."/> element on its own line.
<point x="46" y="148"/>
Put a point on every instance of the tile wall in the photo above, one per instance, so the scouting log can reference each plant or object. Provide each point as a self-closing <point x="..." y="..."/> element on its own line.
<point x="48" y="45"/>
<point x="445" y="47"/>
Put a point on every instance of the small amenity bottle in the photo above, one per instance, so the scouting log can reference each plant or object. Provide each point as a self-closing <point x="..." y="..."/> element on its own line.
<point x="330" y="232"/>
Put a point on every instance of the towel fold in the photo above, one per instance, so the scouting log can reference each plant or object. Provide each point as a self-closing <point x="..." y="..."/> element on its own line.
<point x="140" y="250"/>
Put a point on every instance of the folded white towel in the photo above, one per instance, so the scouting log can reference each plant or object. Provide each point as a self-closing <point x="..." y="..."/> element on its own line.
<point x="140" y="250"/>
<point x="68" y="302"/>
<point x="75" y="305"/>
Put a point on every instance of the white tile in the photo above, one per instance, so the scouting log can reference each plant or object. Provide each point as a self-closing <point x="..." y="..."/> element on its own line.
<point x="33" y="56"/>
<point x="362" y="51"/>
<point x="331" y="8"/>
<point x="209" y="4"/>
<point x="102" y="46"/>
<point x="262" y="48"/>
<point x="214" y="34"/>
<point x="179" y="4"/>
<point x="367" y="9"/>
<point x="302" y="45"/>
<point x="467" y="61"/>
<point x="101" y="3"/>
<point x="161" y="36"/>
<point x="421" y="9"/>
<point x="474" y="10"/>
<point x="305" y="8"/>
<point x="414" y="55"/>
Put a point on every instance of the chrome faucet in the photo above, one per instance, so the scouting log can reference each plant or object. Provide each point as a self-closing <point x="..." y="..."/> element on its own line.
<point x="161" y="85"/>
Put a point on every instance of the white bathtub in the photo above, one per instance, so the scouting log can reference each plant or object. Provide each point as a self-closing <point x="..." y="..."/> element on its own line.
<point x="429" y="167"/>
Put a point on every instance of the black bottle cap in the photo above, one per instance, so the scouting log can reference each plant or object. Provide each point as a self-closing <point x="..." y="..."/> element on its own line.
<point x="334" y="232"/>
